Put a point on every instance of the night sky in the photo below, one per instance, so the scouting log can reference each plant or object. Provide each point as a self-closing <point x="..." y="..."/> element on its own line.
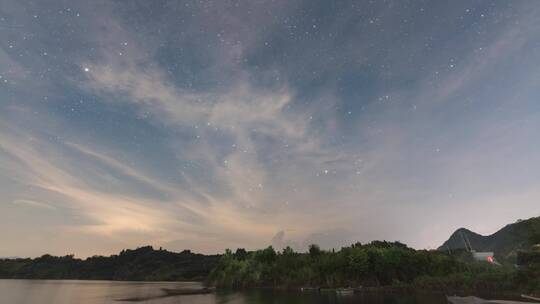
<point x="222" y="124"/>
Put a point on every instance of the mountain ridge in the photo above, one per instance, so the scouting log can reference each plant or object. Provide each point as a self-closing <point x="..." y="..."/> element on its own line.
<point x="504" y="243"/>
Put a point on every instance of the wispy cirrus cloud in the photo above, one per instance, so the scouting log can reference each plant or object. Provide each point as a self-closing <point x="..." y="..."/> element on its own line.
<point x="33" y="203"/>
<point x="207" y="125"/>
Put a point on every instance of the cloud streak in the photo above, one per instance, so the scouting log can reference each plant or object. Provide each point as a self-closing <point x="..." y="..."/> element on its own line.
<point x="210" y="125"/>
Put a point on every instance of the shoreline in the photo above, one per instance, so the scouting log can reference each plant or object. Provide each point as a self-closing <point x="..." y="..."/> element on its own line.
<point x="101" y="280"/>
<point x="358" y="291"/>
<point x="390" y="290"/>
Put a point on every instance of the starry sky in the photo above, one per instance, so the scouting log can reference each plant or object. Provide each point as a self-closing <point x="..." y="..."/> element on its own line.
<point x="222" y="124"/>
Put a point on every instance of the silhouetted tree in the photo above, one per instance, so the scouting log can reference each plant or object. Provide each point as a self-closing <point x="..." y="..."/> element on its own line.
<point x="240" y="254"/>
<point x="314" y="250"/>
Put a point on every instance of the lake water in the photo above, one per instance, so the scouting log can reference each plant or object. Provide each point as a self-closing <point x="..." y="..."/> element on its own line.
<point x="100" y="292"/>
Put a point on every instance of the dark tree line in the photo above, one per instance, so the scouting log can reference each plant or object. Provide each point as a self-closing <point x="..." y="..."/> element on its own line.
<point x="141" y="264"/>
<point x="378" y="263"/>
<point x="375" y="264"/>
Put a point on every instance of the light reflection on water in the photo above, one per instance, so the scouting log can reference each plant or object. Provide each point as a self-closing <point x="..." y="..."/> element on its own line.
<point x="106" y="292"/>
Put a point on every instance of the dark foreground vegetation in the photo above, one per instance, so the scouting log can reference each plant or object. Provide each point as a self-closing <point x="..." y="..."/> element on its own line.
<point x="376" y="264"/>
<point x="142" y="264"/>
<point x="379" y="264"/>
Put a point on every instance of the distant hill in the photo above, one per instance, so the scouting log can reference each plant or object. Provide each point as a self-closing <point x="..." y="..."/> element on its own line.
<point x="504" y="243"/>
<point x="141" y="264"/>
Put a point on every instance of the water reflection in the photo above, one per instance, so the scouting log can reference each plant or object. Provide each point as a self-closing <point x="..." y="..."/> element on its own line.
<point x="106" y="292"/>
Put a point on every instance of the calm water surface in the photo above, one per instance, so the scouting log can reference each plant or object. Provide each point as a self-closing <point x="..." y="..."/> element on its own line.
<point x="99" y="292"/>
